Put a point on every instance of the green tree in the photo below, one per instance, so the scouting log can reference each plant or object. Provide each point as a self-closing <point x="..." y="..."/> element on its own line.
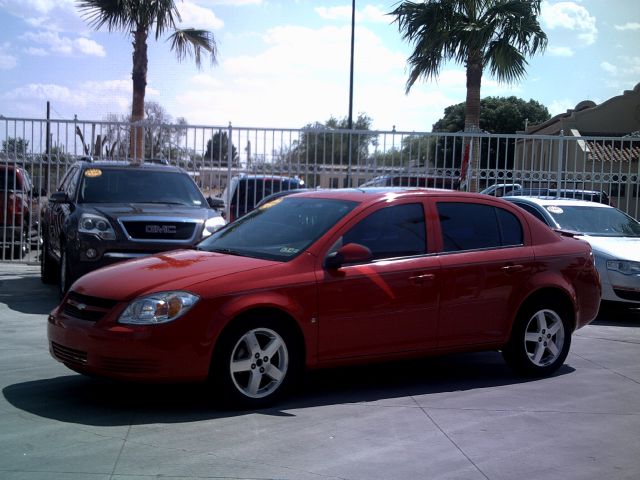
<point x="320" y="144"/>
<point x="479" y="34"/>
<point x="218" y="150"/>
<point x="497" y="34"/>
<point x="497" y="115"/>
<point x="139" y="18"/>
<point x="15" y="146"/>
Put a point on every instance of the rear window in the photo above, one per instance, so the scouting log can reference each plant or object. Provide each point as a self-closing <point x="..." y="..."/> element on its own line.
<point x="10" y="180"/>
<point x="473" y="226"/>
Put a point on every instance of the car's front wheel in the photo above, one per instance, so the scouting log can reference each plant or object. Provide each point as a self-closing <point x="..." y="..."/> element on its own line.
<point x="48" y="266"/>
<point x="65" y="276"/>
<point x="540" y="340"/>
<point x="255" y="363"/>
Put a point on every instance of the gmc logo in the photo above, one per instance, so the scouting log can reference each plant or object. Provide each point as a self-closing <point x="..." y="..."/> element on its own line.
<point x="164" y="229"/>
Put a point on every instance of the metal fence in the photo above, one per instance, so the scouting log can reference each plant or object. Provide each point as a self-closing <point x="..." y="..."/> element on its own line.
<point x="319" y="156"/>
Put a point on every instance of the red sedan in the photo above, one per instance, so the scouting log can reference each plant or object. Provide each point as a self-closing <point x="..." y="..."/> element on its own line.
<point x="329" y="278"/>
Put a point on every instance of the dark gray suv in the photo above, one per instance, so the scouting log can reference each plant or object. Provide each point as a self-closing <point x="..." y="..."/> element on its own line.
<point x="105" y="212"/>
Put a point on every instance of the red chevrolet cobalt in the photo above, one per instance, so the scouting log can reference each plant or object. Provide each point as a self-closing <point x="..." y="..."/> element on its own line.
<point x="328" y="278"/>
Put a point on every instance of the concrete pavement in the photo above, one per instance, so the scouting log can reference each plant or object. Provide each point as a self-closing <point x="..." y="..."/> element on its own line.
<point x="456" y="417"/>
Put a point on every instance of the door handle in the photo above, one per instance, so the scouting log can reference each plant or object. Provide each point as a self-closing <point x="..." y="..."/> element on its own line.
<point x="512" y="268"/>
<point x="420" y="279"/>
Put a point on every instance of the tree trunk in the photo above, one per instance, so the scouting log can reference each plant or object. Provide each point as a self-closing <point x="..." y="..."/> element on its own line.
<point x="472" y="118"/>
<point x="139" y="77"/>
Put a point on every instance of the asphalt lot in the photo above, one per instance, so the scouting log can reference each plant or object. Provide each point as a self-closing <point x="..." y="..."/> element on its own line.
<point x="455" y="417"/>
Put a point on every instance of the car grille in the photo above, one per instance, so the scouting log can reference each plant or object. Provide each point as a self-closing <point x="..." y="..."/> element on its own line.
<point x="163" y="231"/>
<point x="87" y="308"/>
<point x="631" y="295"/>
<point x="68" y="355"/>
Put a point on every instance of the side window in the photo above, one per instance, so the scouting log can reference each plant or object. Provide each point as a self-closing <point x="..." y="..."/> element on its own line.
<point x="67" y="180"/>
<point x="473" y="226"/>
<point x="510" y="228"/>
<point x="390" y="232"/>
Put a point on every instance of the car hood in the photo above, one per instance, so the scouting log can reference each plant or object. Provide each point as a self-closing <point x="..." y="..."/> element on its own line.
<point x="174" y="270"/>
<point x="153" y="210"/>
<point x="624" y="248"/>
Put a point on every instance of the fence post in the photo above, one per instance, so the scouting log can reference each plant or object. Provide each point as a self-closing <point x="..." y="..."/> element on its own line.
<point x="560" y="161"/>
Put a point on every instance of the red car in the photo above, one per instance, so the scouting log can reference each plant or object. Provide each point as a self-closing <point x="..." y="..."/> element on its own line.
<point x="330" y="278"/>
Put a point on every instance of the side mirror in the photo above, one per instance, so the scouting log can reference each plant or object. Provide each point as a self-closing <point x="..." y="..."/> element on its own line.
<point x="216" y="203"/>
<point x="59" y="197"/>
<point x="349" y="253"/>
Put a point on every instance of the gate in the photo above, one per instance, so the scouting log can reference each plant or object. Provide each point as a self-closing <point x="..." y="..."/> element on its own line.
<point x="36" y="153"/>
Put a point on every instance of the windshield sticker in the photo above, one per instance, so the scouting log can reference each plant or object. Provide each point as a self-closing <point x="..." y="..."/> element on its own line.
<point x="289" y="250"/>
<point x="92" y="172"/>
<point x="555" y="210"/>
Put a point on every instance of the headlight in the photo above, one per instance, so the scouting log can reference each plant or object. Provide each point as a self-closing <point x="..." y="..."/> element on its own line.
<point x="624" y="266"/>
<point x="212" y="224"/>
<point x="160" y="307"/>
<point x="96" y="225"/>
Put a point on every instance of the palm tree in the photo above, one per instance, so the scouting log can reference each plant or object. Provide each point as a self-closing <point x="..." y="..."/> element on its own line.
<point x="138" y="18"/>
<point x="498" y="34"/>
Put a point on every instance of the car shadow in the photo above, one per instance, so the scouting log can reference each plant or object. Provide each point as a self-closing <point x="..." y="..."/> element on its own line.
<point x="25" y="293"/>
<point x="614" y="315"/>
<point x="88" y="401"/>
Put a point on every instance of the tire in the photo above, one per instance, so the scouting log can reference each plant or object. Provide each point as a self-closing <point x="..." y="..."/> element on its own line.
<point x="48" y="267"/>
<point x="540" y="340"/>
<point x="65" y="279"/>
<point x="255" y="363"/>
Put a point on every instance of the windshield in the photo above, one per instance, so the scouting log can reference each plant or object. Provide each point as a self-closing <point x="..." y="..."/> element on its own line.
<point x="595" y="221"/>
<point x="279" y="230"/>
<point x="108" y="185"/>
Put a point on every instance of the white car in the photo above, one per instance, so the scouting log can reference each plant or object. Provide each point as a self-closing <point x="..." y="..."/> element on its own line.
<point x="614" y="237"/>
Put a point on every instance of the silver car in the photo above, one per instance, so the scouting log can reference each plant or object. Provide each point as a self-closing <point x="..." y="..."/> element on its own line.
<point x="614" y="237"/>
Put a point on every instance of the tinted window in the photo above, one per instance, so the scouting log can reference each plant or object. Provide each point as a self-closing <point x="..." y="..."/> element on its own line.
<point x="138" y="186"/>
<point x="471" y="226"/>
<point x="396" y="231"/>
<point x="251" y="190"/>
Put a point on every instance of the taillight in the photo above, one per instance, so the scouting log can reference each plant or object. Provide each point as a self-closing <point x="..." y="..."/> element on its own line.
<point x="15" y="208"/>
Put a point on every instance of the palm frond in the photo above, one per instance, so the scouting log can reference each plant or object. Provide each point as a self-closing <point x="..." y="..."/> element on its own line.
<point x="191" y="42"/>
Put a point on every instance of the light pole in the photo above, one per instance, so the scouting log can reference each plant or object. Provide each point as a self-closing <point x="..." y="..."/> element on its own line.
<point x="353" y="24"/>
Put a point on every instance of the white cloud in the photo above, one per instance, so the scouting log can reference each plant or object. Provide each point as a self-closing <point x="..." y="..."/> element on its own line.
<point x="7" y="60"/>
<point x="628" y="26"/>
<point x="570" y="16"/>
<point x="561" y="51"/>
<point x="560" y="106"/>
<point x="609" y="68"/>
<point x="369" y="13"/>
<point x="56" y="43"/>
<point x="195" y="16"/>
<point x="36" y="52"/>
<point x="236" y="3"/>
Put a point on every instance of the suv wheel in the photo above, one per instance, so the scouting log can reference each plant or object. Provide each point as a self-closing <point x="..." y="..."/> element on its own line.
<point x="66" y="278"/>
<point x="48" y="267"/>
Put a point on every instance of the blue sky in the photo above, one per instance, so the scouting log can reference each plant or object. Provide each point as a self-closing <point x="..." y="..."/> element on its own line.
<point x="286" y="64"/>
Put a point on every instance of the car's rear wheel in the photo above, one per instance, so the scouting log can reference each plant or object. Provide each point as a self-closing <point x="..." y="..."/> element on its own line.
<point x="540" y="340"/>
<point x="255" y="362"/>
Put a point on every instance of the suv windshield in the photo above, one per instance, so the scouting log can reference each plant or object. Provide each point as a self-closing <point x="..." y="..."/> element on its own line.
<point x="279" y="230"/>
<point x="602" y="222"/>
<point x="109" y="185"/>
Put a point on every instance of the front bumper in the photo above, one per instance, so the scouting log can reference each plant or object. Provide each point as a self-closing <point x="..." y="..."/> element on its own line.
<point x="84" y="335"/>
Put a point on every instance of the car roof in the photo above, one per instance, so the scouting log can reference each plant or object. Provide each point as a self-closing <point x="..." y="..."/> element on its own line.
<point x="120" y="164"/>
<point x="373" y="194"/>
<point x="559" y="201"/>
